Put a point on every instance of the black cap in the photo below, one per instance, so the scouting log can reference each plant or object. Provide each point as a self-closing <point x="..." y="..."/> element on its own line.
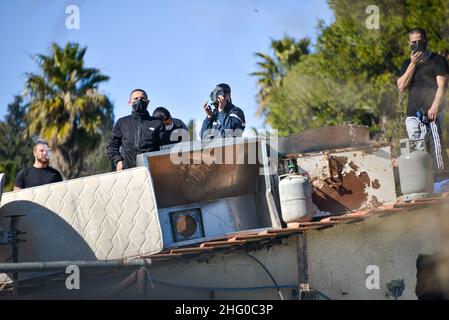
<point x="225" y="87"/>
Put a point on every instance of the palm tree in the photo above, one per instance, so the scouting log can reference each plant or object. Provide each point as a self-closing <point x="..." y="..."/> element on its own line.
<point x="65" y="107"/>
<point x="268" y="79"/>
<point x="272" y="70"/>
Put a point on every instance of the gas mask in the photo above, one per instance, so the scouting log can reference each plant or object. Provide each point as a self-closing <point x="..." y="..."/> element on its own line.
<point x="140" y="105"/>
<point x="218" y="92"/>
<point x="420" y="46"/>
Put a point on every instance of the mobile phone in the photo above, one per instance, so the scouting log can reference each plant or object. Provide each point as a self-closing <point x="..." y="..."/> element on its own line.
<point x="418" y="47"/>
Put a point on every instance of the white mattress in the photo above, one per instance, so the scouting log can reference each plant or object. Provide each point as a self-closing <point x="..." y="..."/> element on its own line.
<point x="104" y="217"/>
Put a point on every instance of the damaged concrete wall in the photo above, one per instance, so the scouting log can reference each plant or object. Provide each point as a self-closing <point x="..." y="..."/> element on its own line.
<point x="339" y="257"/>
<point x="229" y="270"/>
<point x="337" y="262"/>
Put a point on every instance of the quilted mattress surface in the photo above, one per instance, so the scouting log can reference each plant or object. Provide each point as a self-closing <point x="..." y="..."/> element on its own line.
<point x="103" y="217"/>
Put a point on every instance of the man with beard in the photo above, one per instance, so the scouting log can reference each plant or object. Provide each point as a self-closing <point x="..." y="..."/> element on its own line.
<point x="134" y="134"/>
<point x="40" y="172"/>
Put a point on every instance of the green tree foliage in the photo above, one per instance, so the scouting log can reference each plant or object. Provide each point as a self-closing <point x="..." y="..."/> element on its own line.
<point x="10" y="169"/>
<point x="287" y="52"/>
<point x="66" y="109"/>
<point x="15" y="148"/>
<point x="351" y="76"/>
<point x="96" y="161"/>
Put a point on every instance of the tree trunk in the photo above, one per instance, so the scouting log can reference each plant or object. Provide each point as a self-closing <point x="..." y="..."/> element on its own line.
<point x="69" y="163"/>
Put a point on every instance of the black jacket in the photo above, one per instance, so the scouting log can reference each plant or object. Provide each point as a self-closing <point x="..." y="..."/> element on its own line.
<point x="177" y="125"/>
<point x="232" y="118"/>
<point x="134" y="134"/>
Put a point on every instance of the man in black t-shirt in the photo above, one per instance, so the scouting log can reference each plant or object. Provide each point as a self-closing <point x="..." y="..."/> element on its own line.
<point x="425" y="75"/>
<point x="40" y="172"/>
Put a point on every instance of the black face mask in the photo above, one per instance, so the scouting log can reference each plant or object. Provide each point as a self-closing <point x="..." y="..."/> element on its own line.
<point x="420" y="46"/>
<point x="140" y="106"/>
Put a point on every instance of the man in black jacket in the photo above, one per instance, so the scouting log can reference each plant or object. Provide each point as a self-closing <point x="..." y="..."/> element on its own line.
<point x="135" y="134"/>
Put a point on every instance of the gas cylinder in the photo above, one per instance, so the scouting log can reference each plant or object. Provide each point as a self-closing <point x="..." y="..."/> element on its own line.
<point x="415" y="172"/>
<point x="295" y="193"/>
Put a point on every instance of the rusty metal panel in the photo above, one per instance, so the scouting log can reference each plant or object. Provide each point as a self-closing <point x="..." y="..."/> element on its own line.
<point x="325" y="138"/>
<point x="351" y="179"/>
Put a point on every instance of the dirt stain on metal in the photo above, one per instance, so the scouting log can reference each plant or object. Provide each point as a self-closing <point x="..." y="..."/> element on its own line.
<point x="374" y="203"/>
<point x="375" y="184"/>
<point x="340" y="198"/>
<point x="353" y="166"/>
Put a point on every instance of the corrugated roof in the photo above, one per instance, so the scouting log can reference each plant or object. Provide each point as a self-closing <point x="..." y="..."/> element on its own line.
<point x="244" y="238"/>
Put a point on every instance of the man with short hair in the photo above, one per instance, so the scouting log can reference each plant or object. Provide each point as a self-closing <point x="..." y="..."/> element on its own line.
<point x="225" y="119"/>
<point x="40" y="172"/>
<point x="134" y="134"/>
<point x="425" y="76"/>
<point x="172" y="126"/>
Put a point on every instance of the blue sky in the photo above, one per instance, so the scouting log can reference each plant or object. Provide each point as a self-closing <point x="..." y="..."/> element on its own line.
<point x="177" y="50"/>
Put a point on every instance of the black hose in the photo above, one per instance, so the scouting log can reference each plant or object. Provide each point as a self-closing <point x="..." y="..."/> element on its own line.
<point x="267" y="271"/>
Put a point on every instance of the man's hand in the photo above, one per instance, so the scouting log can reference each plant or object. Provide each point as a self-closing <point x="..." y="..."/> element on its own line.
<point x="404" y="81"/>
<point x="439" y="97"/>
<point x="120" y="166"/>
<point x="221" y="103"/>
<point x="208" y="110"/>
<point x="432" y="113"/>
<point x="417" y="58"/>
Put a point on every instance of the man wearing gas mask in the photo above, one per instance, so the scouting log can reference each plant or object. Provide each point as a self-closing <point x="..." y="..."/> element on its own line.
<point x="425" y="76"/>
<point x="223" y="118"/>
<point x="134" y="134"/>
<point x="40" y="172"/>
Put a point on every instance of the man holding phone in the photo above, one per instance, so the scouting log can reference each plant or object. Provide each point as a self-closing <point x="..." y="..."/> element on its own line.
<point x="223" y="118"/>
<point x="425" y="76"/>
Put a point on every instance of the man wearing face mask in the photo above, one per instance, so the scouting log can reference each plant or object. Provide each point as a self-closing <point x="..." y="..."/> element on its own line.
<point x="425" y="76"/>
<point x="134" y="134"/>
<point x="225" y="119"/>
<point x="40" y="172"/>
<point x="173" y="126"/>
